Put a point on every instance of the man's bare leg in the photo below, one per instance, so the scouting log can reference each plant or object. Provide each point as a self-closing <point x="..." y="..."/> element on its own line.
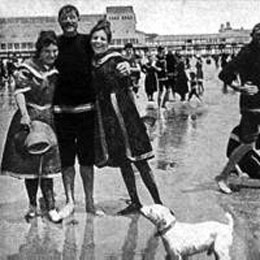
<point x="68" y="178"/>
<point x="87" y="175"/>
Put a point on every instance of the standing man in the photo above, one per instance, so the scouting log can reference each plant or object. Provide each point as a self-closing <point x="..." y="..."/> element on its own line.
<point x="162" y="77"/>
<point x="171" y="64"/>
<point x="74" y="113"/>
<point x="247" y="65"/>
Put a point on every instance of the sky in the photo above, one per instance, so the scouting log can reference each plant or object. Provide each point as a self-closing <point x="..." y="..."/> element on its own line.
<point x="153" y="16"/>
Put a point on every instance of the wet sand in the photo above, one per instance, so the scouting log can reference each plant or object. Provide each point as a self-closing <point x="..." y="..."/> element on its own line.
<point x="189" y="143"/>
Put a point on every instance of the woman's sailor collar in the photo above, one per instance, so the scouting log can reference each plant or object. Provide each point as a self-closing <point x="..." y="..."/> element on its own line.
<point x="36" y="73"/>
<point x="97" y="62"/>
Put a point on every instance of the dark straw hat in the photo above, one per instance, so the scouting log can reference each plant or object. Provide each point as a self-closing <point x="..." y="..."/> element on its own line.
<point x="39" y="139"/>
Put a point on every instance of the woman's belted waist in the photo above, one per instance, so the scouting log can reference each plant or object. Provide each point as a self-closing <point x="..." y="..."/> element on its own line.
<point x="73" y="109"/>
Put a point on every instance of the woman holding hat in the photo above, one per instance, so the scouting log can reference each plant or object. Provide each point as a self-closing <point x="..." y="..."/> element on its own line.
<point x="121" y="134"/>
<point x="31" y="150"/>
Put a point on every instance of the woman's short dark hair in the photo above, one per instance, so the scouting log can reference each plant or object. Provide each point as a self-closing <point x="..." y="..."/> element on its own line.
<point x="68" y="9"/>
<point x="45" y="38"/>
<point x="103" y="25"/>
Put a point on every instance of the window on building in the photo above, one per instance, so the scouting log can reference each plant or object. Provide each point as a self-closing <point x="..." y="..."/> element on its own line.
<point x="10" y="46"/>
<point x="30" y="45"/>
<point x="16" y="45"/>
<point x="24" y="45"/>
<point x="3" y="46"/>
<point x="127" y="17"/>
<point x="114" y="17"/>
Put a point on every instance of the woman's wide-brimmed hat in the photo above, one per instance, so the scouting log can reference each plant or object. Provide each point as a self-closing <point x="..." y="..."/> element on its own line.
<point x="38" y="140"/>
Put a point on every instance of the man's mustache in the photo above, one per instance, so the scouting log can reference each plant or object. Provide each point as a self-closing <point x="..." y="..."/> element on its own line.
<point x="69" y="24"/>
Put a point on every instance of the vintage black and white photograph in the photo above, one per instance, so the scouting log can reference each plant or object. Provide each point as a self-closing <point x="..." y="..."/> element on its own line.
<point x="129" y="130"/>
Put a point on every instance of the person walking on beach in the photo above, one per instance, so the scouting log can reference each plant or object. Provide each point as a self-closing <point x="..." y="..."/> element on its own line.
<point x="193" y="86"/>
<point x="247" y="65"/>
<point x="199" y="75"/>
<point x="182" y="87"/>
<point x="163" y="90"/>
<point x="151" y="79"/>
<point x="74" y="113"/>
<point x="171" y="64"/>
<point x="121" y="133"/>
<point x="35" y="81"/>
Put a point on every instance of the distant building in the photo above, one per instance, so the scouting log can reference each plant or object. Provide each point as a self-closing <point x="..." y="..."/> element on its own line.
<point x="227" y="39"/>
<point x="123" y="24"/>
<point x="18" y="34"/>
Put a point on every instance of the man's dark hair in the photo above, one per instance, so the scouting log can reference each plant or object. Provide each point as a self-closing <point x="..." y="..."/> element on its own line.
<point x="128" y="45"/>
<point x="68" y="9"/>
<point x="160" y="48"/>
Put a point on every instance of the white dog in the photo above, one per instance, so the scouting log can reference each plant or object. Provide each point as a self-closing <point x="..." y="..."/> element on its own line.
<point x="183" y="239"/>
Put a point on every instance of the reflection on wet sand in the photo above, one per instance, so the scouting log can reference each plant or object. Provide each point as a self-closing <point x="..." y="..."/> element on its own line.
<point x="130" y="249"/>
<point x="190" y="149"/>
<point x="130" y="242"/>
<point x="149" y="252"/>
<point x="46" y="241"/>
<point x="88" y="246"/>
<point x="40" y="244"/>
<point x="245" y="206"/>
<point x="70" y="249"/>
<point x="172" y="129"/>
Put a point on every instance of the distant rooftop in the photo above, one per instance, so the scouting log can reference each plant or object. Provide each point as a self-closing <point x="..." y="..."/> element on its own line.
<point x="119" y="9"/>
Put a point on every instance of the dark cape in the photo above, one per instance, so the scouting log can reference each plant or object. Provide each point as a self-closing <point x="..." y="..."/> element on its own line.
<point x="120" y="132"/>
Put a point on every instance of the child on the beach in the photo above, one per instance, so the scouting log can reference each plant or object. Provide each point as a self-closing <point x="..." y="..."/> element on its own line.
<point x="193" y="86"/>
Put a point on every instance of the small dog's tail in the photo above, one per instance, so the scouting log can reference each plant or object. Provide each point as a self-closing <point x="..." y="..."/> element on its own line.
<point x="230" y="220"/>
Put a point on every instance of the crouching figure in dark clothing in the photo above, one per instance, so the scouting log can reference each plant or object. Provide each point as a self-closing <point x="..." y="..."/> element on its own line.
<point x="249" y="165"/>
<point x="121" y="135"/>
<point x="246" y="65"/>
